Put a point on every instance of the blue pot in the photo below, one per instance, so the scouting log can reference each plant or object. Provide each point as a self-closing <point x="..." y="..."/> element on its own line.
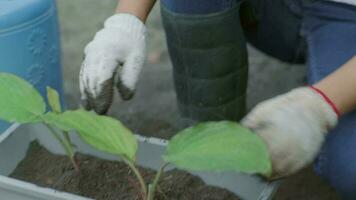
<point x="29" y="43"/>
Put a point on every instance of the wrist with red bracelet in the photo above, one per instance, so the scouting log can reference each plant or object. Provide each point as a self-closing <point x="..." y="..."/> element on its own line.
<point x="327" y="100"/>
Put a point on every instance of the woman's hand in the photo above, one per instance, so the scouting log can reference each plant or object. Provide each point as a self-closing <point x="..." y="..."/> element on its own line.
<point x="293" y="126"/>
<point x="122" y="41"/>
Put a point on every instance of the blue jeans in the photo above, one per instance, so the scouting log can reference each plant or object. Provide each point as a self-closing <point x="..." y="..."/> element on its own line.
<point x="320" y="33"/>
<point x="198" y="6"/>
<point x="330" y="32"/>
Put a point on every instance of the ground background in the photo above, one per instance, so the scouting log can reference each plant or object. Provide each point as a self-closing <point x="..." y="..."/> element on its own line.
<point x="153" y="111"/>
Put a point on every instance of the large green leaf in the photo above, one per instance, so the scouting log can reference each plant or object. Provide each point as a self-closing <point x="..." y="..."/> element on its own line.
<point x="19" y="101"/>
<point x="219" y="146"/>
<point x="103" y="133"/>
<point x="53" y="100"/>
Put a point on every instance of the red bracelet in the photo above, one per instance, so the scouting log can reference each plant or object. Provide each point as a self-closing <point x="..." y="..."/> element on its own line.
<point x="327" y="99"/>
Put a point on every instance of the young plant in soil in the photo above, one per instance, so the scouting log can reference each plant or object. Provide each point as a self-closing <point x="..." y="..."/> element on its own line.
<point x="211" y="146"/>
<point x="21" y="103"/>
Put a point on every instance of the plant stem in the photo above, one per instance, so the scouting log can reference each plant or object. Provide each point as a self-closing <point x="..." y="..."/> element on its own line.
<point x="70" y="145"/>
<point x="67" y="138"/>
<point x="65" y="141"/>
<point x="137" y="174"/>
<point x="151" y="192"/>
<point x="152" y="187"/>
<point x="58" y="137"/>
<point x="66" y="145"/>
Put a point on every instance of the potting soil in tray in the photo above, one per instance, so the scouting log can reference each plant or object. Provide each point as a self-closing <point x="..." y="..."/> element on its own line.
<point x="107" y="180"/>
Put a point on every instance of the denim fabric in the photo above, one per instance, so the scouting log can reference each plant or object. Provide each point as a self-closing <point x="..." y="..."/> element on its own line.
<point x="330" y="32"/>
<point x="198" y="6"/>
<point x="323" y="33"/>
<point x="326" y="33"/>
<point x="278" y="30"/>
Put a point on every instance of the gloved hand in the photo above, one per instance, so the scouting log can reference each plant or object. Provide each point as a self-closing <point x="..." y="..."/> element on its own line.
<point x="293" y="126"/>
<point x="122" y="42"/>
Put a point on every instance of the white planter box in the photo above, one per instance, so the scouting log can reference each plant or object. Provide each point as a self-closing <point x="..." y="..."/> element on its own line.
<point x="15" y="141"/>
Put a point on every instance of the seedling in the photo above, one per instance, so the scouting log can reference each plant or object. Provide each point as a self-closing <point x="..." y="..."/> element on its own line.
<point x="211" y="146"/>
<point x="21" y="103"/>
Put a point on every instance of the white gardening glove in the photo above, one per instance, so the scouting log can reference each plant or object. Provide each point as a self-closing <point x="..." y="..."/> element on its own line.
<point x="293" y="126"/>
<point x="122" y="42"/>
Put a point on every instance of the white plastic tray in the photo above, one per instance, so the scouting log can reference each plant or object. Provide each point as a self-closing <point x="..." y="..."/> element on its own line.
<point x="14" y="143"/>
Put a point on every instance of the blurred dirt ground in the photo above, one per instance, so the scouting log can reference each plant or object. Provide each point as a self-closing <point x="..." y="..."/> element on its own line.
<point x="153" y="111"/>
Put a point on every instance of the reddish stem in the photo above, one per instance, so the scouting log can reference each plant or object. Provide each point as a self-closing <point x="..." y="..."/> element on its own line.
<point x="136" y="187"/>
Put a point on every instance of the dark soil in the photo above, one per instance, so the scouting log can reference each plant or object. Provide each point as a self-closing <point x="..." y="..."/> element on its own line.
<point x="106" y="180"/>
<point x="305" y="185"/>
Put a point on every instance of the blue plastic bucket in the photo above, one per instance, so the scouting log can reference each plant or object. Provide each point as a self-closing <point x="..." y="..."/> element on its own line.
<point x="29" y="43"/>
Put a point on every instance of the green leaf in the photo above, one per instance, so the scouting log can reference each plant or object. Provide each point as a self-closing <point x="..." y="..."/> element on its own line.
<point x="219" y="146"/>
<point x="19" y="101"/>
<point x="53" y="100"/>
<point x="103" y="133"/>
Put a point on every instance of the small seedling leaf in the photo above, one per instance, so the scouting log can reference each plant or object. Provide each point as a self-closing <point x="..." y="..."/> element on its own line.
<point x="102" y="132"/>
<point x="53" y="100"/>
<point x="19" y="101"/>
<point x="219" y="146"/>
